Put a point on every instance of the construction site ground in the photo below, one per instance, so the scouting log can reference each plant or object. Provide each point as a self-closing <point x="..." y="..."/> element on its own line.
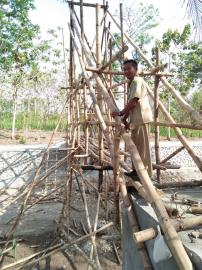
<point x="38" y="229"/>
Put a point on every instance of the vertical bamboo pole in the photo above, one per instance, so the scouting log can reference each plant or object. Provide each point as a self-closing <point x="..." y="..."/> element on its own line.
<point x="169" y="99"/>
<point x="100" y="101"/>
<point x="78" y="116"/>
<point x="116" y="156"/>
<point x="84" y="85"/>
<point x="116" y="173"/>
<point x="123" y="57"/>
<point x="156" y="113"/>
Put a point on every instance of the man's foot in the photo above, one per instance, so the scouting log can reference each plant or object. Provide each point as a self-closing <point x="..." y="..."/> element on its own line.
<point x="131" y="190"/>
<point x="133" y="175"/>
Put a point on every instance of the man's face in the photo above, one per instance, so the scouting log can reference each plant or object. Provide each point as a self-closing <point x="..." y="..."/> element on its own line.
<point x="129" y="71"/>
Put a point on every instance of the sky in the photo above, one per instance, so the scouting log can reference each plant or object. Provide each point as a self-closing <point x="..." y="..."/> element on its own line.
<point x="52" y="13"/>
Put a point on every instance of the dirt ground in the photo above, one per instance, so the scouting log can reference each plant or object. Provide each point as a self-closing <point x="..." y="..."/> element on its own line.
<point x="38" y="229"/>
<point x="32" y="137"/>
<point x="38" y="137"/>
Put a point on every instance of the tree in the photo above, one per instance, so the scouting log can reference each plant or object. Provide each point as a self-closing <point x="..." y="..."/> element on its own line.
<point x="184" y="57"/>
<point x="196" y="99"/>
<point x="16" y="50"/>
<point x="194" y="11"/>
<point x="139" y="19"/>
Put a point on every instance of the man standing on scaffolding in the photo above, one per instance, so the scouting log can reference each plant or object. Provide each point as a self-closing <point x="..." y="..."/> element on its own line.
<point x="139" y="112"/>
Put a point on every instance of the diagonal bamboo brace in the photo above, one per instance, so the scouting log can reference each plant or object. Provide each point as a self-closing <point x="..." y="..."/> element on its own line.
<point x="171" y="235"/>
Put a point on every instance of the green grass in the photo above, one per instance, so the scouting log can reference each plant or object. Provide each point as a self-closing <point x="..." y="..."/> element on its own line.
<point x="186" y="132"/>
<point x="36" y="122"/>
<point x="32" y="122"/>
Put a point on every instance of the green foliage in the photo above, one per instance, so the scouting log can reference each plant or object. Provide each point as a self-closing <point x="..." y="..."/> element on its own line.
<point x="17" y="34"/>
<point x="140" y="19"/>
<point x="196" y="99"/>
<point x="185" y="58"/>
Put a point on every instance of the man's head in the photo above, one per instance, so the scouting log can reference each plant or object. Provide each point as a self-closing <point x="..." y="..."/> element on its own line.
<point x="130" y="67"/>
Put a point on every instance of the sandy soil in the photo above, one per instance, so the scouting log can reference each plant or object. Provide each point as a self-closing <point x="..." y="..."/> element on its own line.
<point x="32" y="137"/>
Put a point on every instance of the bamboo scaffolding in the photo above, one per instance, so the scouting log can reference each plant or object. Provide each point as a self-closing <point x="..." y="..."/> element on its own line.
<point x="83" y="123"/>
<point x="171" y="236"/>
<point x="179" y="134"/>
<point x="176" y="246"/>
<point x="193" y="113"/>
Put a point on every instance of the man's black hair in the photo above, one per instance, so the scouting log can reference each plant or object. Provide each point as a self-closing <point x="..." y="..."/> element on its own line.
<point x="132" y="62"/>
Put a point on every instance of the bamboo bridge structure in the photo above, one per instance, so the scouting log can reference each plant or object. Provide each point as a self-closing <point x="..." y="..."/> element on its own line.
<point x="97" y="142"/>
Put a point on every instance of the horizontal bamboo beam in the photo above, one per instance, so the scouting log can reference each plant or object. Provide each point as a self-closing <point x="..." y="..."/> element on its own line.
<point x="195" y="210"/>
<point x="116" y="72"/>
<point x="94" y="167"/>
<point x="71" y="3"/>
<point x="183" y="225"/>
<point x="117" y="56"/>
<point x="195" y="183"/>
<point x="145" y="235"/>
<point x="195" y="127"/>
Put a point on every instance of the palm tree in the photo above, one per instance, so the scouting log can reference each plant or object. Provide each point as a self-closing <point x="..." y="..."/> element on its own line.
<point x="194" y="11"/>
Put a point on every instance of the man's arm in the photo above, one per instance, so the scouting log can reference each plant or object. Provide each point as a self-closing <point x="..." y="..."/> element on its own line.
<point x="129" y="106"/>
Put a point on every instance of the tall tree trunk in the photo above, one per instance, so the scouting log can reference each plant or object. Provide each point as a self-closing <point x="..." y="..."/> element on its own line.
<point x="14" y="114"/>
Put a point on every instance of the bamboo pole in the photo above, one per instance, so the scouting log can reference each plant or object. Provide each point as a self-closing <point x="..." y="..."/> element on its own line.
<point x="193" y="113"/>
<point x="121" y="73"/>
<point x="173" y="154"/>
<point x="116" y="175"/>
<point x="193" y="183"/>
<point x="156" y="114"/>
<point x="84" y="4"/>
<point x="171" y="236"/>
<point x="99" y="97"/>
<point x="180" y="225"/>
<point x="123" y="57"/>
